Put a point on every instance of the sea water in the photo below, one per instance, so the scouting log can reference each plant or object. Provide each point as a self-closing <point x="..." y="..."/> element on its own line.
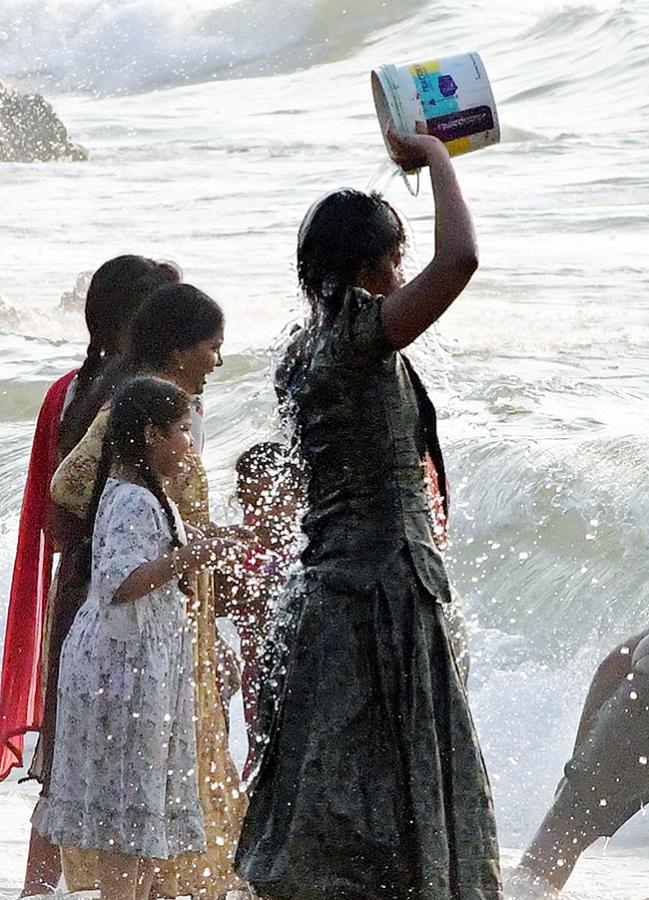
<point x="212" y="127"/>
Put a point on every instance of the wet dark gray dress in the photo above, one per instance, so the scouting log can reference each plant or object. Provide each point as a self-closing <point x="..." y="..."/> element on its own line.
<point x="371" y="784"/>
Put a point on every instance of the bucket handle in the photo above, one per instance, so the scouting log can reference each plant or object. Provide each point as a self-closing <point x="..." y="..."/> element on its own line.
<point x="414" y="191"/>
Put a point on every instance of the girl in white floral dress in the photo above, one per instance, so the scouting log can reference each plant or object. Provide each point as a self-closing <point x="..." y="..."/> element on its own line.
<point x="124" y="772"/>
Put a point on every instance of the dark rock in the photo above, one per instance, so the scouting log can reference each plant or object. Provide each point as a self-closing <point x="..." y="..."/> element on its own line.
<point x="30" y="130"/>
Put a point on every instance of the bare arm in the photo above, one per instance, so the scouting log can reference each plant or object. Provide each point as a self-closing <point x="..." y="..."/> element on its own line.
<point x="151" y="575"/>
<point x="409" y="311"/>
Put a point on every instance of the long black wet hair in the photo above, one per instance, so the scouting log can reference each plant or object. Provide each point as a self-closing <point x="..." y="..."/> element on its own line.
<point x="170" y="320"/>
<point x="139" y="402"/>
<point x="116" y="292"/>
<point x="342" y="236"/>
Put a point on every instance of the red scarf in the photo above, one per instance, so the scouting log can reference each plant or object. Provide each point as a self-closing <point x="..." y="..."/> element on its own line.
<point x="21" y="702"/>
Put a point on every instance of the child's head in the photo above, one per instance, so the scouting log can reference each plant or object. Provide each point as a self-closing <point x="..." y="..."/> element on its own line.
<point x="349" y="239"/>
<point x="178" y="331"/>
<point x="269" y="486"/>
<point x="149" y="428"/>
<point x="147" y="438"/>
<point x="116" y="292"/>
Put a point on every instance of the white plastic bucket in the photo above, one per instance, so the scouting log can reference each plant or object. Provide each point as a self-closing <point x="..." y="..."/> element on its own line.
<point x="452" y="96"/>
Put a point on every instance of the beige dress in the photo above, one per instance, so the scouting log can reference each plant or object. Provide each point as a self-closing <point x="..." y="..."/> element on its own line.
<point x="223" y="803"/>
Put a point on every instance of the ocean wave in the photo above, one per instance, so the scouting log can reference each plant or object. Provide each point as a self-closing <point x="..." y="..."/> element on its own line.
<point x="138" y="45"/>
<point x="592" y="56"/>
<point x="545" y="532"/>
<point x="56" y="323"/>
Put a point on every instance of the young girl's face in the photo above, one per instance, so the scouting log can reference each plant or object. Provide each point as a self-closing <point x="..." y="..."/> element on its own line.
<point x="168" y="447"/>
<point x="196" y="362"/>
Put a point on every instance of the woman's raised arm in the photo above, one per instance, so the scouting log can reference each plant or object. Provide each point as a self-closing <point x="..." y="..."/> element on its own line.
<point x="409" y="311"/>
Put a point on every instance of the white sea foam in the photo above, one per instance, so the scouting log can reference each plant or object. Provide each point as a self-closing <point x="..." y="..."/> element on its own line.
<point x="138" y="44"/>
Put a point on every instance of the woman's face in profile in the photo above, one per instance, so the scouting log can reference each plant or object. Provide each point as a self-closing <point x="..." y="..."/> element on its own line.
<point x="199" y="360"/>
<point x="386" y="277"/>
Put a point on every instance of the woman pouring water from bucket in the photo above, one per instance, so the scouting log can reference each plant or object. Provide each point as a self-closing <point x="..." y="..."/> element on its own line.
<point x="371" y="784"/>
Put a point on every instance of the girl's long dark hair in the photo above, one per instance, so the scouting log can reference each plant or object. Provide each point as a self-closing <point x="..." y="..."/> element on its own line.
<point x="342" y="236"/>
<point x="116" y="292"/>
<point x="139" y="402"/>
<point x="170" y="320"/>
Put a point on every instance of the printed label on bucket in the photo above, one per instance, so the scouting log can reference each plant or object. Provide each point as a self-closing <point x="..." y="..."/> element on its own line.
<point x="461" y="124"/>
<point x="448" y="90"/>
<point x="437" y="92"/>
